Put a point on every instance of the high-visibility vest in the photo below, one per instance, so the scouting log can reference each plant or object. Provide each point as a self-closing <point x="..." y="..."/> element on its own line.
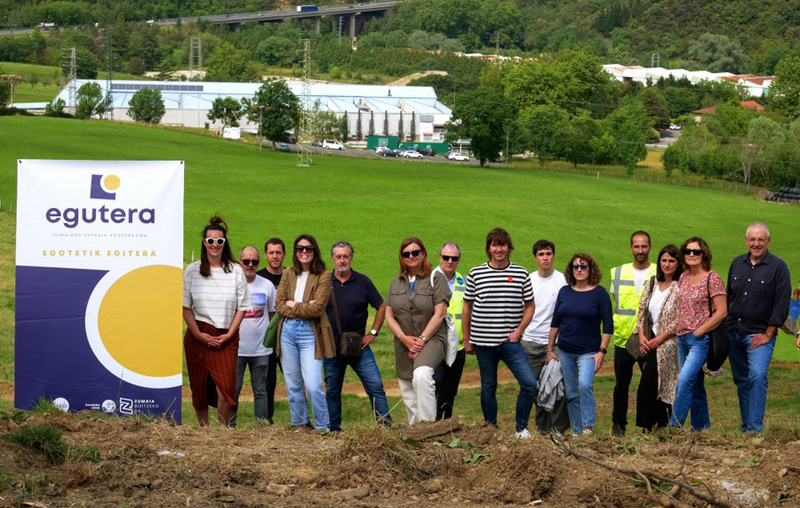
<point x="625" y="299"/>
<point x="457" y="306"/>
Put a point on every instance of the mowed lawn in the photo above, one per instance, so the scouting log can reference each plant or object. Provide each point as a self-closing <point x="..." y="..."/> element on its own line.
<point x="374" y="204"/>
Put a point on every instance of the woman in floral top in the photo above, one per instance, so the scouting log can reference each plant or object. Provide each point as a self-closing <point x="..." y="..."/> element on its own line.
<point x="696" y="287"/>
<point x="660" y="372"/>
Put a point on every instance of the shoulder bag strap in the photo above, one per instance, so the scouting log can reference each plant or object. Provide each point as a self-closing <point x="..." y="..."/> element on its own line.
<point x="336" y="311"/>
<point x="708" y="293"/>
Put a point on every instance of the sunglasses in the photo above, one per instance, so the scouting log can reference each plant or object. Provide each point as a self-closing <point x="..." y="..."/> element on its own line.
<point x="212" y="241"/>
<point x="583" y="267"/>
<point x="451" y="258"/>
<point x="303" y="248"/>
<point x="695" y="252"/>
<point x="410" y="253"/>
<point x="250" y="262"/>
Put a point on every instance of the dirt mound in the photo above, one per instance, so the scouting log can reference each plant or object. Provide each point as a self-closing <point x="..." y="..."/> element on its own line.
<point x="136" y="462"/>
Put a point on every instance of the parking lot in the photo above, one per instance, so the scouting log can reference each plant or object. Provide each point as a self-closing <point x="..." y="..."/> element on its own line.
<point x="355" y="152"/>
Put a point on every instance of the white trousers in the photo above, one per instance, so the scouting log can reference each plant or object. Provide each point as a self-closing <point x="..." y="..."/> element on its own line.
<point x="419" y="395"/>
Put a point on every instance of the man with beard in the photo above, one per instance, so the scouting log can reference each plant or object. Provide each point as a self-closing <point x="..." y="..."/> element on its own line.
<point x="627" y="282"/>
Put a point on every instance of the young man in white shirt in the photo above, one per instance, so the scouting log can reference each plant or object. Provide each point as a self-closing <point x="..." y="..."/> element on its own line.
<point x="252" y="352"/>
<point x="546" y="282"/>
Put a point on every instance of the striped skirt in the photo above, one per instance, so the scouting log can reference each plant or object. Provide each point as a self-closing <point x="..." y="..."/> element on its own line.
<point x="211" y="368"/>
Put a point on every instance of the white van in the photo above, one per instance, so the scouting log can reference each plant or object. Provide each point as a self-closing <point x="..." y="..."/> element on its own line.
<point x="332" y="144"/>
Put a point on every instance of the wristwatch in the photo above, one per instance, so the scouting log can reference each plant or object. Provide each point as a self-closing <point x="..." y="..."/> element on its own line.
<point x="373" y="332"/>
<point x="604" y="350"/>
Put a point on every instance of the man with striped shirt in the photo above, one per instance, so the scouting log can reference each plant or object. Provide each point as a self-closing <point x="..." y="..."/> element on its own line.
<point x="498" y="306"/>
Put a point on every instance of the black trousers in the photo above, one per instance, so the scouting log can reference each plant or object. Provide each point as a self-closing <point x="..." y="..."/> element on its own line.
<point x="272" y="380"/>
<point x="651" y="412"/>
<point x="623" y="372"/>
<point x="447" y="380"/>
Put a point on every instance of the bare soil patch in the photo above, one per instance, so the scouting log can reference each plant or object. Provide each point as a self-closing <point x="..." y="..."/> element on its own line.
<point x="155" y="463"/>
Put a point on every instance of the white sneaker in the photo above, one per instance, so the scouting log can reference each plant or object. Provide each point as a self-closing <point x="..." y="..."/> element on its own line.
<point x="523" y="434"/>
<point x="587" y="431"/>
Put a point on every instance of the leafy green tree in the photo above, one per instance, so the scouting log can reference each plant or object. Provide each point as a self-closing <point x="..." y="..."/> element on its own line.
<point x="55" y="108"/>
<point x="90" y="101"/>
<point x="275" y="109"/>
<point x="5" y="93"/>
<point x="227" y="63"/>
<point x="146" y="106"/>
<point x="785" y="90"/>
<point x="656" y="111"/>
<point x="87" y="64"/>
<point x="630" y="128"/>
<point x="679" y="101"/>
<point x="543" y="126"/>
<point x="762" y="135"/>
<point x="577" y="140"/>
<point x="717" y="53"/>
<point x="276" y="50"/>
<point x="324" y="124"/>
<point x="482" y="117"/>
<point x="227" y="110"/>
<point x="135" y="66"/>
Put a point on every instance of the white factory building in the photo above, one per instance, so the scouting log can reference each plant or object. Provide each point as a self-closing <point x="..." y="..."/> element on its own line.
<point x="412" y="112"/>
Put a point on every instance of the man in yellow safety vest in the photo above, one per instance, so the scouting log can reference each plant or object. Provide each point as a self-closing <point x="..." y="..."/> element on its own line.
<point x="627" y="282"/>
<point x="447" y="377"/>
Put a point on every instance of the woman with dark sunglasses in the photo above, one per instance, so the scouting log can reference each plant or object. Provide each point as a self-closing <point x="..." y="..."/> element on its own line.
<point x="215" y="299"/>
<point x="415" y="310"/>
<point x="702" y="305"/>
<point x="305" y="334"/>
<point x="580" y="308"/>
<point x="658" y="302"/>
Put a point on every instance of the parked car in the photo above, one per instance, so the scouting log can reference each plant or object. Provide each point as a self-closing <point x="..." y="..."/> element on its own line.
<point x="316" y="142"/>
<point x="332" y="144"/>
<point x="427" y="151"/>
<point x="412" y="154"/>
<point x="292" y="140"/>
<point x="283" y="147"/>
<point x="388" y="152"/>
<point x="379" y="150"/>
<point x="675" y="127"/>
<point x="455" y="156"/>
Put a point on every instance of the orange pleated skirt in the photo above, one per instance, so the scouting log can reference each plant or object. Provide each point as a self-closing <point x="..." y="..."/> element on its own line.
<point x="211" y="368"/>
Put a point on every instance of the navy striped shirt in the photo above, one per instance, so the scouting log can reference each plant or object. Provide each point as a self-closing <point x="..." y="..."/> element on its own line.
<point x="498" y="296"/>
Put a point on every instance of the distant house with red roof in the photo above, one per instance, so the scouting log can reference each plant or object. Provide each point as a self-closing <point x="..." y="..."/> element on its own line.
<point x="699" y="113"/>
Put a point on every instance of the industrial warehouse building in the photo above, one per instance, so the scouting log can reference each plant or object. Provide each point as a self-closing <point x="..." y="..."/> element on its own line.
<point x="413" y="113"/>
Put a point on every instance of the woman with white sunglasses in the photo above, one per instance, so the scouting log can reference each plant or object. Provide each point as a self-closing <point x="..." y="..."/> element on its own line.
<point x="215" y="299"/>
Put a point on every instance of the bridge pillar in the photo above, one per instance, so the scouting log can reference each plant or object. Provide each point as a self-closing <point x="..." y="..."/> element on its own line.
<point x="352" y="26"/>
<point x="316" y="25"/>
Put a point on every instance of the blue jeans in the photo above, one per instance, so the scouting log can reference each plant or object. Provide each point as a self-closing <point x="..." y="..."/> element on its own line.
<point x="301" y="372"/>
<point x="749" y="369"/>
<point x="578" y="372"/>
<point x="515" y="359"/>
<point x="259" y="365"/>
<point x="367" y="371"/>
<point x="691" y="390"/>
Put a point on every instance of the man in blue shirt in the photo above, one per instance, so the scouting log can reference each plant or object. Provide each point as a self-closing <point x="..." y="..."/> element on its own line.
<point x="354" y="292"/>
<point x="759" y="288"/>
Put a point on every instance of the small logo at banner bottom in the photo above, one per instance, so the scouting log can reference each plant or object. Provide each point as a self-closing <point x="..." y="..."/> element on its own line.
<point x="125" y="406"/>
<point x="61" y="403"/>
<point x="109" y="406"/>
<point x="104" y="187"/>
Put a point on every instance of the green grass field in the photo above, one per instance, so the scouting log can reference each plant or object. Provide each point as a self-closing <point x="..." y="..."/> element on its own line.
<point x="375" y="203"/>
<point x="48" y="79"/>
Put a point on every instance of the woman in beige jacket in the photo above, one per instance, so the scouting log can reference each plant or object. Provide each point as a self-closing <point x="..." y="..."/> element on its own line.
<point x="305" y="334"/>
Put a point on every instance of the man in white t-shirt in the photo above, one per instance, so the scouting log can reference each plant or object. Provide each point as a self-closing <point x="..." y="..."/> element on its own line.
<point x="252" y="352"/>
<point x="546" y="282"/>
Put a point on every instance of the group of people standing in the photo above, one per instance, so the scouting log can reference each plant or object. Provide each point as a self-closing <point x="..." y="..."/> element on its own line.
<point x="551" y="329"/>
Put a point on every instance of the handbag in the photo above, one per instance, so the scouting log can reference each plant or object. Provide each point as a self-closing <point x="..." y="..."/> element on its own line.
<point x="271" y="337"/>
<point x="349" y="342"/>
<point x="718" y="344"/>
<point x="453" y="341"/>
<point x="633" y="345"/>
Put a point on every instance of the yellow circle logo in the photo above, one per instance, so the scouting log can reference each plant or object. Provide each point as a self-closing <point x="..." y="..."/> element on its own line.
<point x="138" y="322"/>
<point x="111" y="183"/>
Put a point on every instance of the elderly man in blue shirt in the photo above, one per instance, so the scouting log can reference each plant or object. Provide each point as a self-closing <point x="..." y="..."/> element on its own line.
<point x="759" y="288"/>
